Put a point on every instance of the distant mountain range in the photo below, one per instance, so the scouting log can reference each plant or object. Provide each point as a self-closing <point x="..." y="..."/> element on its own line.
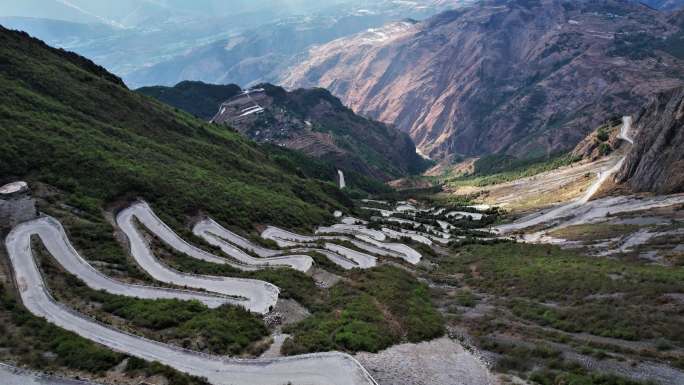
<point x="524" y="78"/>
<point x="163" y="42"/>
<point x="309" y="120"/>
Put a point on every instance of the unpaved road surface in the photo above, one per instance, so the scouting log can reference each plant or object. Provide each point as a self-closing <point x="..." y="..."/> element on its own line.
<point x="217" y="235"/>
<point x="572" y="208"/>
<point x="312" y="369"/>
<point x="254" y="295"/>
<point x="361" y="240"/>
<point x="53" y="236"/>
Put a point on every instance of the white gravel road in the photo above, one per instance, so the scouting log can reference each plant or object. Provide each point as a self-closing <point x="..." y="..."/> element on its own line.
<point x="361" y="260"/>
<point x="286" y="238"/>
<point x="401" y="234"/>
<point x="312" y="369"/>
<point x="53" y="236"/>
<point x="343" y="228"/>
<point x="571" y="208"/>
<point x="217" y="235"/>
<point x="254" y="295"/>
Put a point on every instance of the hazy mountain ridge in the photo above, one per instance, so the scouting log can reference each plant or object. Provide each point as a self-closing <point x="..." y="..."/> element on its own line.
<point x="263" y="53"/>
<point x="520" y="77"/>
<point x="164" y="42"/>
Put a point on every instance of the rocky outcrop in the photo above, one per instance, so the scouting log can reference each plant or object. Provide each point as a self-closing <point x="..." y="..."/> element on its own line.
<point x="525" y="78"/>
<point x="16" y="204"/>
<point x="656" y="161"/>
<point x="600" y="142"/>
<point x="316" y="123"/>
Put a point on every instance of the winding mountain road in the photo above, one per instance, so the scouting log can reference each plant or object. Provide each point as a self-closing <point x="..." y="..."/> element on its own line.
<point x="254" y="295"/>
<point x="286" y="238"/>
<point x="571" y="208"/>
<point x="55" y="239"/>
<point x="312" y="369"/>
<point x="351" y="229"/>
<point x="217" y="235"/>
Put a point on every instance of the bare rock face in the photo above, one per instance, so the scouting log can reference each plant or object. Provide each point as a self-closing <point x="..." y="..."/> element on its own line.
<point x="521" y="77"/>
<point x="656" y="161"/>
<point x="16" y="204"/>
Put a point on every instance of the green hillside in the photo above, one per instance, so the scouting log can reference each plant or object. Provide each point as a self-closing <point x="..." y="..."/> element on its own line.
<point x="198" y="98"/>
<point x="72" y="125"/>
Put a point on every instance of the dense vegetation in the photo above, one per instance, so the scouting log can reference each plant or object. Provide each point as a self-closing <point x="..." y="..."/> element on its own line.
<point x="358" y="184"/>
<point x="197" y="98"/>
<point x="376" y="309"/>
<point x="99" y="142"/>
<point x="582" y="289"/>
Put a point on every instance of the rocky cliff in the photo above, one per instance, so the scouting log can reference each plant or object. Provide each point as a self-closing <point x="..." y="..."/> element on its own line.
<point x="523" y="77"/>
<point x="656" y="161"/>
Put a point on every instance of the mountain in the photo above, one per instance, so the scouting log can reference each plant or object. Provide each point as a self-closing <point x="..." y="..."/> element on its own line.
<point x="664" y="5"/>
<point x="309" y="120"/>
<point x="523" y="78"/>
<point x="70" y="124"/>
<point x="197" y="98"/>
<point x="153" y="13"/>
<point x="150" y="42"/>
<point x="262" y="53"/>
<point x="656" y="161"/>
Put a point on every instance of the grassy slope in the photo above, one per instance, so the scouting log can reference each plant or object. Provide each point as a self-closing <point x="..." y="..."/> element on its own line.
<point x="199" y="99"/>
<point x="542" y="286"/>
<point x="67" y="123"/>
<point x="75" y="128"/>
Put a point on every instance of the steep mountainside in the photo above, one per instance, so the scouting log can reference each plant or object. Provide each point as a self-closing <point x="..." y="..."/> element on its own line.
<point x="70" y="124"/>
<point x="664" y="5"/>
<point x="316" y="123"/>
<point x="197" y="98"/>
<point x="526" y="78"/>
<point x="656" y="162"/>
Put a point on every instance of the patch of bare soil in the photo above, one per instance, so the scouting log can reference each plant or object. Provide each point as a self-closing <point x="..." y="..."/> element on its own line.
<point x="438" y="362"/>
<point x="538" y="191"/>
